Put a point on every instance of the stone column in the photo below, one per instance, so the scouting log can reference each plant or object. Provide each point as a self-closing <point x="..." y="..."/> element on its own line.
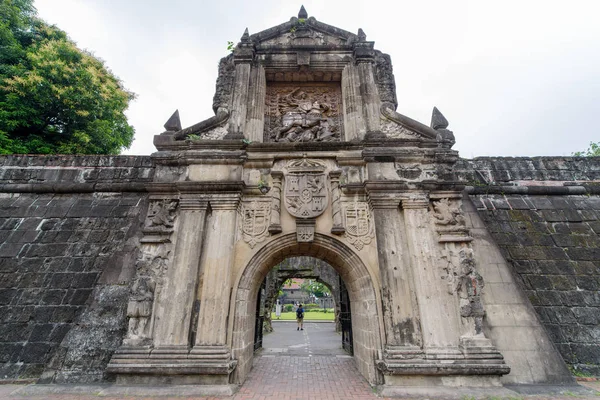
<point x="172" y="323"/>
<point x="337" y="226"/>
<point x="255" y="122"/>
<point x="217" y="266"/>
<point x="237" y="121"/>
<point x="438" y="309"/>
<point x="354" y="123"/>
<point x="275" y="223"/>
<point x="400" y="312"/>
<point x="370" y="96"/>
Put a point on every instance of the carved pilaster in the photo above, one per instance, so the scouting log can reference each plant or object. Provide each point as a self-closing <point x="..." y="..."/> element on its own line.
<point x="256" y="104"/>
<point x="151" y="265"/>
<point x="275" y="225"/>
<point x="400" y="311"/>
<point x="338" y="226"/>
<point x="177" y="298"/>
<point x="433" y="304"/>
<point x="216" y="271"/>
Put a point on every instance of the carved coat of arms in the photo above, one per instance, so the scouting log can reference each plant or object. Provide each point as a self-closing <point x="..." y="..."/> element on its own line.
<point x="306" y="194"/>
<point x="359" y="224"/>
<point x="255" y="221"/>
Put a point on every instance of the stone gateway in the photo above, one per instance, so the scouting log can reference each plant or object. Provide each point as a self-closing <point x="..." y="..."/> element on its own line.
<point x="307" y="156"/>
<point x="452" y="272"/>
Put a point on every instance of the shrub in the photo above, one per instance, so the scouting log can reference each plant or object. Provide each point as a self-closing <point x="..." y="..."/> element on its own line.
<point x="288" y="308"/>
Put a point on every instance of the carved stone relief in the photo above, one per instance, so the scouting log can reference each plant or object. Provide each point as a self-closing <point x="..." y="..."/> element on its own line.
<point x="303" y="113"/>
<point x="393" y="130"/>
<point x="359" y="225"/>
<point x="447" y="216"/>
<point x="305" y="192"/>
<point x="255" y="217"/>
<point x="151" y="265"/>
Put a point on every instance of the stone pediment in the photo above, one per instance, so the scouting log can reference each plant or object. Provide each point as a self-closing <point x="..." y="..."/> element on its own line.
<point x="302" y="31"/>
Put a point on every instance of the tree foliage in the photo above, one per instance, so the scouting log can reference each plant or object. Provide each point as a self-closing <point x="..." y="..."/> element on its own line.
<point x="54" y="97"/>
<point x="315" y="288"/>
<point x="592" y="151"/>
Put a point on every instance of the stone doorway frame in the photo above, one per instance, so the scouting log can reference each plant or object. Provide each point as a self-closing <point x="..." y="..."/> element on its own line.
<point x="367" y="321"/>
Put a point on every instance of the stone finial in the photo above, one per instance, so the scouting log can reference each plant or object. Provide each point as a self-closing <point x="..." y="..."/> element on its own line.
<point x="438" y="121"/>
<point x="302" y="13"/>
<point x="245" y="37"/>
<point x="174" y="123"/>
<point x="362" y="36"/>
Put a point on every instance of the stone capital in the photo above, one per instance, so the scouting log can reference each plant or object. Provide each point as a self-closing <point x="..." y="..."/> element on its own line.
<point x="384" y="201"/>
<point x="193" y="204"/>
<point x="420" y="202"/>
<point x="224" y="202"/>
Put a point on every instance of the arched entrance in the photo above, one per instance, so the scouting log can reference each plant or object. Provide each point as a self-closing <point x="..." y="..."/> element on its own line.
<point x="366" y="313"/>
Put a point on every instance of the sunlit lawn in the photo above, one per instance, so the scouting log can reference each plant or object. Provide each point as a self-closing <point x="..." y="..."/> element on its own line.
<point x="308" y="316"/>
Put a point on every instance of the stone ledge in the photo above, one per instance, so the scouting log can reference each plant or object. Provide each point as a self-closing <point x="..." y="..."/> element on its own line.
<point x="428" y="368"/>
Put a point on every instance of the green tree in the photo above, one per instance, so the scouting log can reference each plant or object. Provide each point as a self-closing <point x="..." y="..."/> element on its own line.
<point x="592" y="151"/>
<point x="54" y="97"/>
<point x="315" y="288"/>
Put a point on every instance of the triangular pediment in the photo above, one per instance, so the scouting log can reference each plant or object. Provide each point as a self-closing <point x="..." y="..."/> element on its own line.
<point x="303" y="32"/>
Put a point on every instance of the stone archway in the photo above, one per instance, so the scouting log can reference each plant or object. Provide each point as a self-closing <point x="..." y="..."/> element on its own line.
<point x="366" y="312"/>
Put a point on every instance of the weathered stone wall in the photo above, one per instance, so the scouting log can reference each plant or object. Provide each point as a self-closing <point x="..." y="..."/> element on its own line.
<point x="67" y="250"/>
<point x="544" y="214"/>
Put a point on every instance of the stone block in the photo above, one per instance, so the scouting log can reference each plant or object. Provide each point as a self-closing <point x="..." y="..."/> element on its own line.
<point x="586" y="268"/>
<point x="53" y="297"/>
<point x="570" y="240"/>
<point x="563" y="282"/>
<point x="10" y="352"/>
<point x="59" y="332"/>
<point x="47" y="250"/>
<point x="15" y="332"/>
<point x="564" y="315"/>
<point x="43" y="313"/>
<point x="586" y="353"/>
<point x="79" y="297"/>
<point x="554" y="215"/>
<point x="587" y="283"/>
<point x="36" y="353"/>
<point x="587" y="315"/>
<point x="539" y="282"/>
<point x="583" y="254"/>
<point x="41" y="333"/>
<point x="7" y="296"/>
<point x="84" y="280"/>
<point x="541" y="203"/>
<point x="549" y="298"/>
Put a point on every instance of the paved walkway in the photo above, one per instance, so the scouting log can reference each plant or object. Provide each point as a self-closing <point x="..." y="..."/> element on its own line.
<point x="307" y="365"/>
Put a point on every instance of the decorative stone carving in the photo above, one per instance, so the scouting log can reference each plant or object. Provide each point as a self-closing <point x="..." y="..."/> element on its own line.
<point x="470" y="285"/>
<point x="358" y="221"/>
<point x="275" y="225"/>
<point x="448" y="216"/>
<point x="150" y="267"/>
<point x="393" y="130"/>
<point x="306" y="194"/>
<point x="160" y="221"/>
<point x="337" y="227"/>
<point x="303" y="113"/>
<point x="305" y="230"/>
<point x="255" y="221"/>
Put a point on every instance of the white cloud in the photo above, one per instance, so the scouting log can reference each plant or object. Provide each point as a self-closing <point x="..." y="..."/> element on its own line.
<point x="512" y="77"/>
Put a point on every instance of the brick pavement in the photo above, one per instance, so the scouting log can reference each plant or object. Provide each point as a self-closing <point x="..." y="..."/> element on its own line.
<point x="306" y="365"/>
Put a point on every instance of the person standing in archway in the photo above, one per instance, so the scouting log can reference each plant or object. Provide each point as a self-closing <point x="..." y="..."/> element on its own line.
<point x="300" y="317"/>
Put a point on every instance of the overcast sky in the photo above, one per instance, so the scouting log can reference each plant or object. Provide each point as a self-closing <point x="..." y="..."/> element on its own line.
<point x="514" y="78"/>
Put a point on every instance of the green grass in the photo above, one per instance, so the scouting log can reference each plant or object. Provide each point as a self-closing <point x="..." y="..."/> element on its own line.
<point x="308" y="316"/>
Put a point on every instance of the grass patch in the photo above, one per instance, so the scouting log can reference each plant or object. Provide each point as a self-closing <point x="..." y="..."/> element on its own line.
<point x="308" y="316"/>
